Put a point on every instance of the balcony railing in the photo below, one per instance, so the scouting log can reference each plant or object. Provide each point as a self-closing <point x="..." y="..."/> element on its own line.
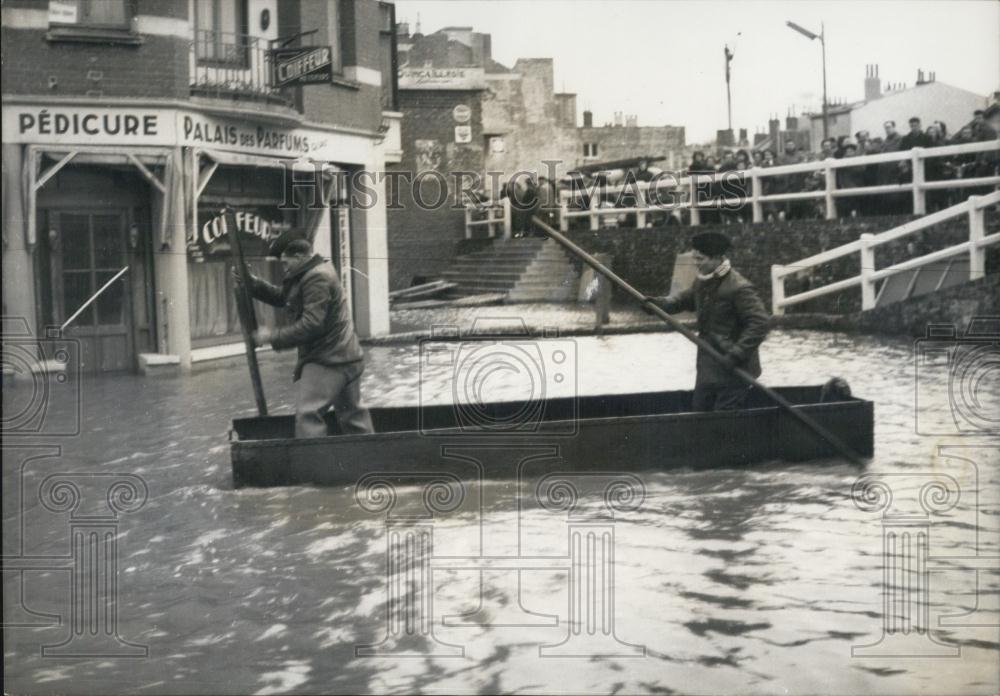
<point x="233" y="66"/>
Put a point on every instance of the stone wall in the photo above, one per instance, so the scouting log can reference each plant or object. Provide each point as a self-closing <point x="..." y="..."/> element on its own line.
<point x="645" y="257"/>
<point x="957" y="306"/>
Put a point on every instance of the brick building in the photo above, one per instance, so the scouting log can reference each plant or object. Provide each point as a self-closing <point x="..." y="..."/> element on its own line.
<point x="464" y="111"/>
<point x="127" y="124"/>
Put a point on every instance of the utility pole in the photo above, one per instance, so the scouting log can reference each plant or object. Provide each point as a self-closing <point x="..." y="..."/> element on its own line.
<point x="729" y="97"/>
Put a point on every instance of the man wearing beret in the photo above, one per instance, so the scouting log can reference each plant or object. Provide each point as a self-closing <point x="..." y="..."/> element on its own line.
<point x="328" y="372"/>
<point x="731" y="317"/>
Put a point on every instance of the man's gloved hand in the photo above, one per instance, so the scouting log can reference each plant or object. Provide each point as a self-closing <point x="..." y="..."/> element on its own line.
<point x="731" y="360"/>
<point x="238" y="279"/>
<point x="648" y="303"/>
<point x="262" y="336"/>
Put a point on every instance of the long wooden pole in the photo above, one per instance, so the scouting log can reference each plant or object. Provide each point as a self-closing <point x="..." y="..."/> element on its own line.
<point x="702" y="344"/>
<point x="244" y="306"/>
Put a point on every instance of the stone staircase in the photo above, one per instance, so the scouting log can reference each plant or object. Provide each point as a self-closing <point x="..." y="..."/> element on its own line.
<point x="525" y="269"/>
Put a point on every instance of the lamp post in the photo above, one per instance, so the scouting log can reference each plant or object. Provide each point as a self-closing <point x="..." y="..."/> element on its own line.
<point x="822" y="40"/>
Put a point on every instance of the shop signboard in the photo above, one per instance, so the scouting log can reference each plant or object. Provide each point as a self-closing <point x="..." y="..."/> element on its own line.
<point x="259" y="225"/>
<point x="304" y="65"/>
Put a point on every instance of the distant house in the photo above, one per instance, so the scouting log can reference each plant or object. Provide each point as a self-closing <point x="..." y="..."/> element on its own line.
<point x="929" y="100"/>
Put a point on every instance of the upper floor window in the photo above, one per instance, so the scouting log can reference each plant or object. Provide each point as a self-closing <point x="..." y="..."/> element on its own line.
<point x="106" y="14"/>
<point x="221" y="32"/>
<point x="590" y="150"/>
<point x="93" y="21"/>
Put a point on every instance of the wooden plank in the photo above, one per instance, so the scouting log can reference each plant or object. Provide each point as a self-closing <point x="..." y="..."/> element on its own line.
<point x="244" y="306"/>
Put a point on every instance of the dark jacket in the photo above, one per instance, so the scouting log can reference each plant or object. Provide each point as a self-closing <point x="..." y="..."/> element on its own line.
<point x="321" y="325"/>
<point x="731" y="317"/>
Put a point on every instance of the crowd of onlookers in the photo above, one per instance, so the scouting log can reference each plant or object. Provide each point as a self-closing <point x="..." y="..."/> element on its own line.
<point x="723" y="198"/>
<point x="899" y="172"/>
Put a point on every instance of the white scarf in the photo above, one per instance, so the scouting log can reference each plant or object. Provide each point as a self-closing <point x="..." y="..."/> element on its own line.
<point x="720" y="270"/>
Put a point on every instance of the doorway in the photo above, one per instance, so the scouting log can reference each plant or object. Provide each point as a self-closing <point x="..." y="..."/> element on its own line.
<point x="87" y="249"/>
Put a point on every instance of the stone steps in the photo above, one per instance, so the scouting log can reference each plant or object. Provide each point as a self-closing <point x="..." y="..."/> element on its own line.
<point x="527" y="270"/>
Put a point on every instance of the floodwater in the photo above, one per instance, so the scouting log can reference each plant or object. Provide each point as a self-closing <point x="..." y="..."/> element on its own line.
<point x="763" y="580"/>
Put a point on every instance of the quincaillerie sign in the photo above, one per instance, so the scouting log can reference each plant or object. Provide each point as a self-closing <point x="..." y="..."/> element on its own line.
<point x="442" y="78"/>
<point x="259" y="227"/>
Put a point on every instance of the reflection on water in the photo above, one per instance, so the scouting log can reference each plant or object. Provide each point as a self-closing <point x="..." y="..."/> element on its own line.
<point x="758" y="580"/>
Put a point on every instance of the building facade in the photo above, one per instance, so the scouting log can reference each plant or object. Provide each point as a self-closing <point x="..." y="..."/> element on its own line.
<point x="128" y="125"/>
<point x="465" y="112"/>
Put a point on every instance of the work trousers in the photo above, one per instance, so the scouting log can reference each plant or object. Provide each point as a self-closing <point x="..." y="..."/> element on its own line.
<point x="730" y="396"/>
<point x="323" y="386"/>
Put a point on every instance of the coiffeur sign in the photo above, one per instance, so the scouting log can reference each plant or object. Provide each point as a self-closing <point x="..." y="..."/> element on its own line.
<point x="210" y="238"/>
<point x="302" y="66"/>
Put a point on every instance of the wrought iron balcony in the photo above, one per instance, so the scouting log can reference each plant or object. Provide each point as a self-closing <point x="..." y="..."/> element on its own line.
<point x="227" y="65"/>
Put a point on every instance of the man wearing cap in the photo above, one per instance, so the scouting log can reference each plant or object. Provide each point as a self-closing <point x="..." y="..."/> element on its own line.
<point x="731" y="317"/>
<point x="328" y="372"/>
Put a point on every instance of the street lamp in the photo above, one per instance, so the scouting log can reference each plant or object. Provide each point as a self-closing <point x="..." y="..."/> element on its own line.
<point x="822" y="40"/>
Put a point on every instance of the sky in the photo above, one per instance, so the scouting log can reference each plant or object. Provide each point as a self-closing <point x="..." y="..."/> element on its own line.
<point x="663" y="59"/>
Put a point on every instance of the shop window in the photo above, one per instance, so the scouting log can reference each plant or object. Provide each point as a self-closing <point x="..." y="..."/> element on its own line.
<point x="94" y="20"/>
<point x="221" y="32"/>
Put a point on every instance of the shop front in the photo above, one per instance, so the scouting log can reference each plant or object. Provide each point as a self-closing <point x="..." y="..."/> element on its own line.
<point x="84" y="199"/>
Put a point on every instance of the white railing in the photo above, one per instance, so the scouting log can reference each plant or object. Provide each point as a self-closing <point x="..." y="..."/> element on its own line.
<point x="974" y="207"/>
<point x="497" y="217"/>
<point x="691" y="192"/>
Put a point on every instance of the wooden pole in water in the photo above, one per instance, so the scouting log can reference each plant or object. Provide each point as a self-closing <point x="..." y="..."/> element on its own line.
<point x="704" y="345"/>
<point x="244" y="307"/>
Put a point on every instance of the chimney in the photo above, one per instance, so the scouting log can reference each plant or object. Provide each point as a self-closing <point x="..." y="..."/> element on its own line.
<point x="773" y="128"/>
<point x="619" y="120"/>
<point x="873" y="85"/>
<point x="631" y="121"/>
<point x="588" y="119"/>
<point x="791" y="123"/>
<point x="743" y="136"/>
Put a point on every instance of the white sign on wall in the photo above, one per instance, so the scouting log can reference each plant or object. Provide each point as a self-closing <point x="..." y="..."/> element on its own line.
<point x="463" y="134"/>
<point x="442" y="78"/>
<point x="461" y="113"/>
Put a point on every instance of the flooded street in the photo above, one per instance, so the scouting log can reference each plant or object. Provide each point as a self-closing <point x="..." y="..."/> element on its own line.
<point x="765" y="580"/>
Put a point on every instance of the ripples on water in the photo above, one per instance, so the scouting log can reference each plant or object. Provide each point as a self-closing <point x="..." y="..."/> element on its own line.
<point x="755" y="580"/>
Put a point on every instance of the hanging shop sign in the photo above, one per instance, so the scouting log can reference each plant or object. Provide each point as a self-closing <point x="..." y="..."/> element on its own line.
<point x="258" y="225"/>
<point x="305" y="65"/>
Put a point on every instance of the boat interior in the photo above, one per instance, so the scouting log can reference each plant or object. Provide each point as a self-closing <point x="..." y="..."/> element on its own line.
<point x="514" y="416"/>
